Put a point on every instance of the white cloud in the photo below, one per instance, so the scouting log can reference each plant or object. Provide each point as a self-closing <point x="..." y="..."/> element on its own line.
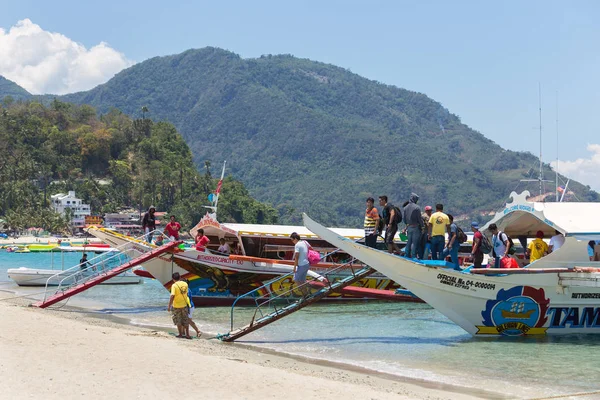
<point x="584" y="170"/>
<point x="49" y="62"/>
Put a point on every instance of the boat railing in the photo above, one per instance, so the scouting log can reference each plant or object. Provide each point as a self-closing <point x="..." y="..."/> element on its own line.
<point x="265" y="299"/>
<point x="101" y="264"/>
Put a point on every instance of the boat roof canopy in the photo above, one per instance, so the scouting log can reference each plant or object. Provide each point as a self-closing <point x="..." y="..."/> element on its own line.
<point x="213" y="228"/>
<point x="526" y="218"/>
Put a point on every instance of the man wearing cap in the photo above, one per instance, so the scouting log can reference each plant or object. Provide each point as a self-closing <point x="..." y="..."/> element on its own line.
<point x="425" y="245"/>
<point x="537" y="248"/>
<point x="476" y="252"/>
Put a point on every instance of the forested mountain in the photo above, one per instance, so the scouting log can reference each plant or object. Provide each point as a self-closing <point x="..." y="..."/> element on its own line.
<point x="9" y="88"/>
<point x="308" y="136"/>
<point x="111" y="162"/>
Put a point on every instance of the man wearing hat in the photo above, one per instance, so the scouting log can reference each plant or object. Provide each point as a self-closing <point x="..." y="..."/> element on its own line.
<point x="476" y="252"/>
<point x="537" y="248"/>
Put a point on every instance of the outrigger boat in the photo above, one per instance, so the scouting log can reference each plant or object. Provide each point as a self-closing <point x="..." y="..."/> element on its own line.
<point x="556" y="295"/>
<point x="264" y="252"/>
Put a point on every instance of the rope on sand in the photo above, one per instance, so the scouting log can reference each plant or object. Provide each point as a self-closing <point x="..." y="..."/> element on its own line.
<point x="562" y="396"/>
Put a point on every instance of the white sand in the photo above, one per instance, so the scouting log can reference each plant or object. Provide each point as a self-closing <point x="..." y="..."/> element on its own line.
<point x="64" y="354"/>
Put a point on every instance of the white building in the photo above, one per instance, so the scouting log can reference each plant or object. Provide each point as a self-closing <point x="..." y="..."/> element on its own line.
<point x="60" y="202"/>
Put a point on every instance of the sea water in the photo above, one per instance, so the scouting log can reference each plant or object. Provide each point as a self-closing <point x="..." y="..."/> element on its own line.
<point x="410" y="340"/>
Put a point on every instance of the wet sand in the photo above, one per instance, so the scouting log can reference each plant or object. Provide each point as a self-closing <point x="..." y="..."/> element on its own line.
<point x="70" y="353"/>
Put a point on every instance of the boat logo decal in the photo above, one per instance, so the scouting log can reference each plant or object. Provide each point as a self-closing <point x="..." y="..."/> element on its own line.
<point x="518" y="311"/>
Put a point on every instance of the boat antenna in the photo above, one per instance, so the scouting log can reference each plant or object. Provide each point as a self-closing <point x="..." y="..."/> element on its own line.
<point x="540" y="178"/>
<point x="556" y="168"/>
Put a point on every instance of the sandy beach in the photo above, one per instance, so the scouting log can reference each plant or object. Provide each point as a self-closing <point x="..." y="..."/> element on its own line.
<point x="64" y="354"/>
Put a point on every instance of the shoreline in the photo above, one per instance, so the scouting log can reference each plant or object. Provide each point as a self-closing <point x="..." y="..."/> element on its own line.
<point x="361" y="382"/>
<point x="30" y="239"/>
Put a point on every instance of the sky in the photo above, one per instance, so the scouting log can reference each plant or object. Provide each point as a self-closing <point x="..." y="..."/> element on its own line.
<point x="484" y="61"/>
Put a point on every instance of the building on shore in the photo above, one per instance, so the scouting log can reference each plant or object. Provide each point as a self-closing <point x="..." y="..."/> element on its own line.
<point x="61" y="202"/>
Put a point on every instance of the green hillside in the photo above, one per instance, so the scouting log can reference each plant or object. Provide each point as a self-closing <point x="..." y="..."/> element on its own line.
<point x="112" y="162"/>
<point x="308" y="136"/>
<point x="9" y="88"/>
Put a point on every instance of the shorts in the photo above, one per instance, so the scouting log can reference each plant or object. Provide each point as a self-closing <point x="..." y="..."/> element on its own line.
<point x="300" y="274"/>
<point x="180" y="316"/>
<point x="390" y="233"/>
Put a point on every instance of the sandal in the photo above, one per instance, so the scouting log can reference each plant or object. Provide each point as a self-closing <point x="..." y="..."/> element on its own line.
<point x="187" y="337"/>
<point x="179" y="336"/>
<point x="198" y="334"/>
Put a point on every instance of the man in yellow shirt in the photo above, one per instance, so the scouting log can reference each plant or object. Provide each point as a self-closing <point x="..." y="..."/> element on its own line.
<point x="438" y="225"/>
<point x="537" y="248"/>
<point x="179" y="302"/>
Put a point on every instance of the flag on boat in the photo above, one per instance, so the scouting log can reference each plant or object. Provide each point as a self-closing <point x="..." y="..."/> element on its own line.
<point x="219" y="186"/>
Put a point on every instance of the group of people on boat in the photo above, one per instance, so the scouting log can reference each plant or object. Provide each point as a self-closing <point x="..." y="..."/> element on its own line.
<point x="436" y="234"/>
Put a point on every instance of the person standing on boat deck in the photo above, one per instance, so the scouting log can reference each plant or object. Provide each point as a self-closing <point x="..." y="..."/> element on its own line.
<point x="476" y="251"/>
<point x="201" y="240"/>
<point x="224" y="247"/>
<point x="537" y="248"/>
<point x="179" y="303"/>
<point x="371" y="223"/>
<point x="172" y="229"/>
<point x="425" y="244"/>
<point x="301" y="264"/>
<point x="149" y="223"/>
<point x="438" y="225"/>
<point x="556" y="241"/>
<point x="500" y="243"/>
<point x="453" y="244"/>
<point x="414" y="226"/>
<point x="391" y="226"/>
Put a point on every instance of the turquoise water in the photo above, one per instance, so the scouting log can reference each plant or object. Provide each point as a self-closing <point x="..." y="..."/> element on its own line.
<point x="409" y="340"/>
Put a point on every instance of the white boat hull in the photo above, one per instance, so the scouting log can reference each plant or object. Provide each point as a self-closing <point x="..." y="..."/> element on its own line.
<point x="513" y="304"/>
<point x="39" y="277"/>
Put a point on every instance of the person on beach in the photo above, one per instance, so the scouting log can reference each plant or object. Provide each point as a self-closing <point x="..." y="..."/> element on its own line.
<point x="370" y="224"/>
<point x="537" y="248"/>
<point x="301" y="264"/>
<point x="438" y="225"/>
<point x="201" y="240"/>
<point x="414" y="226"/>
<point x="391" y="224"/>
<point x="224" y="247"/>
<point x="149" y="223"/>
<point x="476" y="251"/>
<point x="191" y="312"/>
<point x="179" y="303"/>
<point x="172" y="229"/>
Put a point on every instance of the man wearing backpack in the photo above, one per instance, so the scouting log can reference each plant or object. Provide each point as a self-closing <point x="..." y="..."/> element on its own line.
<point x="414" y="226"/>
<point x="501" y="244"/>
<point x="453" y="244"/>
<point x="477" y="251"/>
<point x="391" y="218"/>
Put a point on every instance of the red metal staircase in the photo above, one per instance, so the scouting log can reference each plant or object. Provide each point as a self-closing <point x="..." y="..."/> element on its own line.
<point x="94" y="280"/>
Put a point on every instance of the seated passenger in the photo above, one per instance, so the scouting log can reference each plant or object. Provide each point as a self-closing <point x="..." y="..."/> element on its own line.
<point x="159" y="241"/>
<point x="594" y="250"/>
<point x="224" y="247"/>
<point x="537" y="248"/>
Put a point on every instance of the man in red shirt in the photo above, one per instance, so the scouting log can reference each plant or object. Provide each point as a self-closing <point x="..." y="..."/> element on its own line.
<point x="172" y="229"/>
<point x="201" y="240"/>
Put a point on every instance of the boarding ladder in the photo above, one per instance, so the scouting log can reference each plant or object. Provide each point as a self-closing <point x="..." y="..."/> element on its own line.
<point x="99" y="269"/>
<point x="271" y="307"/>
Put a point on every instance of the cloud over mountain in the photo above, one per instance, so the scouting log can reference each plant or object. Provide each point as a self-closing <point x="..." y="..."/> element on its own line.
<point x="49" y="62"/>
<point x="585" y="170"/>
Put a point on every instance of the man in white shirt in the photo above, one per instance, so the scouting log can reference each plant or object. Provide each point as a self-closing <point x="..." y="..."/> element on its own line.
<point x="301" y="264"/>
<point x="556" y="242"/>
<point x="224" y="247"/>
